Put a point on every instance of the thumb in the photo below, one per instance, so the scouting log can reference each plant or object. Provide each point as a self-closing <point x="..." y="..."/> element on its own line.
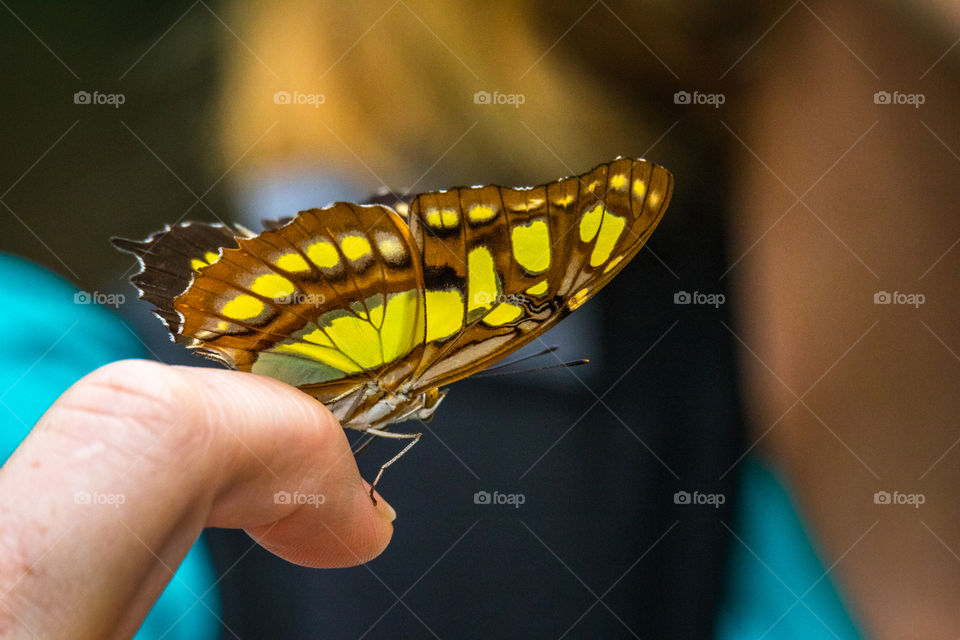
<point x="286" y="472"/>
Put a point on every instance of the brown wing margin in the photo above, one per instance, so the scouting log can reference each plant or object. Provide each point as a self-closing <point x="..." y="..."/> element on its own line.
<point x="167" y="263"/>
<point x="583" y="256"/>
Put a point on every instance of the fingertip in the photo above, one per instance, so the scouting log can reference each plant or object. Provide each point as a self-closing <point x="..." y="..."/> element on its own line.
<point x="293" y="483"/>
<point x="386" y="511"/>
<point x="345" y="530"/>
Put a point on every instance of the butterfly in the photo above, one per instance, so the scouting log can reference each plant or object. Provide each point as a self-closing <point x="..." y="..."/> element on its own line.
<point x="372" y="308"/>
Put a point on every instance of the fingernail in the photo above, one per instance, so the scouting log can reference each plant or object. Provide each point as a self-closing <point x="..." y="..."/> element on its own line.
<point x="384" y="509"/>
<point x="382" y="506"/>
<point x="390" y="512"/>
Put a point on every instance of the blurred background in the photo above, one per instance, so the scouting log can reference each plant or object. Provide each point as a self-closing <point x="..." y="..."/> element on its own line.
<point x="764" y="444"/>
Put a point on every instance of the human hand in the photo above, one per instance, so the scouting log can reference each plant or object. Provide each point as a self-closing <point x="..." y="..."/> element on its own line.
<point x="156" y="453"/>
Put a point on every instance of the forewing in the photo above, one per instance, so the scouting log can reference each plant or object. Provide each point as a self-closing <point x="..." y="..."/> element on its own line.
<point x="502" y="265"/>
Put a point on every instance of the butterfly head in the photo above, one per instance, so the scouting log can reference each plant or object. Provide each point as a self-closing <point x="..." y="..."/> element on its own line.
<point x="430" y="400"/>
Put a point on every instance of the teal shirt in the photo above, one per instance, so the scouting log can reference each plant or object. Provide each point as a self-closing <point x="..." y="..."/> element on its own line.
<point x="777" y="587"/>
<point x="50" y="341"/>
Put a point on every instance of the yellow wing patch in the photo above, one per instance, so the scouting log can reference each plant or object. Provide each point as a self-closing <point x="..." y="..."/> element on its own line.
<point x="351" y="344"/>
<point x="577" y="299"/>
<point x="590" y="223"/>
<point x="272" y="285"/>
<point x="638" y="188"/>
<point x="538" y="289"/>
<point x="564" y="201"/>
<point x="208" y="259"/>
<point x="483" y="285"/>
<point x="480" y="213"/>
<point x="398" y="333"/>
<point x="531" y="246"/>
<point x="442" y="218"/>
<point x="444" y="314"/>
<point x="323" y="254"/>
<point x="356" y="338"/>
<point x="355" y="247"/>
<point x="242" y="307"/>
<point x="292" y="262"/>
<point x="503" y="313"/>
<point x="326" y="355"/>
<point x="317" y="336"/>
<point x="610" y="232"/>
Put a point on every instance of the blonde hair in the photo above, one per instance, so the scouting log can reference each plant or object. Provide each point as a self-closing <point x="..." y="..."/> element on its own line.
<point x="398" y="83"/>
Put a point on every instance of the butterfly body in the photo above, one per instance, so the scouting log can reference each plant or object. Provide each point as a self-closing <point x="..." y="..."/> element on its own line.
<point x="372" y="309"/>
<point x="375" y="407"/>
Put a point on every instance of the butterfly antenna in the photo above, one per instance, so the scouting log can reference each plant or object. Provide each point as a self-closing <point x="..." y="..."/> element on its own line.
<point x="562" y="365"/>
<point x="540" y="354"/>
<point x="364" y="442"/>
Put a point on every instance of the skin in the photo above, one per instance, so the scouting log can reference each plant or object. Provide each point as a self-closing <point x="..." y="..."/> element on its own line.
<point x="883" y="415"/>
<point x="186" y="448"/>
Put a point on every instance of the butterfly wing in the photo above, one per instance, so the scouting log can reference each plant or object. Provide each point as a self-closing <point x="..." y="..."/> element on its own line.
<point x="170" y="258"/>
<point x="502" y="265"/>
<point x="353" y="302"/>
<point x="328" y="301"/>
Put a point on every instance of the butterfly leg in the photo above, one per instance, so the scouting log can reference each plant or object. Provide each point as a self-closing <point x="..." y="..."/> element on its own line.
<point x="414" y="439"/>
